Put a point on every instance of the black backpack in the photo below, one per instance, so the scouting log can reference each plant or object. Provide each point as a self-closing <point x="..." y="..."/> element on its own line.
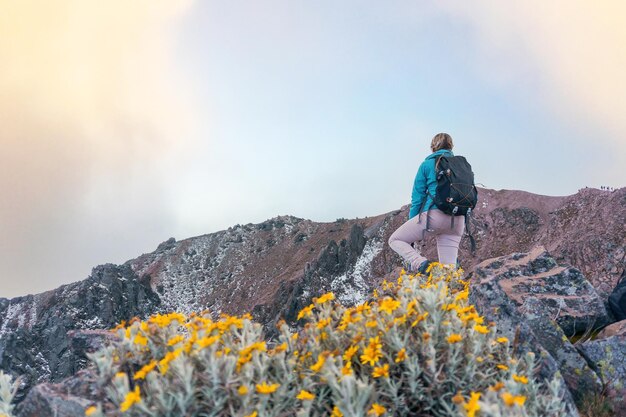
<point x="456" y="193"/>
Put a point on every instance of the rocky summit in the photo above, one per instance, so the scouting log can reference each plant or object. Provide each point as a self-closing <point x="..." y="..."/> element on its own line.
<point x="544" y="269"/>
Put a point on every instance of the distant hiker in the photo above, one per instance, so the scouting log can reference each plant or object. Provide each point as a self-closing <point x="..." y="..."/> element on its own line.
<point x="443" y="193"/>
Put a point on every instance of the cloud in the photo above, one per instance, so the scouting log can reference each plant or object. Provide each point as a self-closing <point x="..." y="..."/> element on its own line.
<point x="93" y="117"/>
<point x="571" y="54"/>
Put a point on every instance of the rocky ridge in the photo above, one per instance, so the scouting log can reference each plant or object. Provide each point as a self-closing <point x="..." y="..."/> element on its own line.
<point x="274" y="268"/>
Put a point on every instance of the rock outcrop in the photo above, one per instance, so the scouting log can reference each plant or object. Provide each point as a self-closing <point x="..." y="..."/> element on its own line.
<point x="34" y="339"/>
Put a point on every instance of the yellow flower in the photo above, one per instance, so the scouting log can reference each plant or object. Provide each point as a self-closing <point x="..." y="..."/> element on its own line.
<point x="88" y="411"/>
<point x="207" y="341"/>
<point x="336" y="412"/>
<point x="252" y="414"/>
<point x="141" y="374"/>
<point x="472" y="405"/>
<point x="242" y="390"/>
<point x="520" y="378"/>
<point x="377" y="409"/>
<point x="381" y="371"/>
<point x="120" y="375"/>
<point x="425" y="335"/>
<point x="511" y="400"/>
<point x="306" y="311"/>
<point x="419" y="319"/>
<point x="454" y="338"/>
<point x="401" y="356"/>
<point x="175" y="340"/>
<point x="481" y="329"/>
<point x="347" y="369"/>
<point x="502" y="340"/>
<point x="132" y="398"/>
<point x="502" y="366"/>
<point x="305" y="396"/>
<point x="323" y="323"/>
<point x="389" y="305"/>
<point x="321" y="359"/>
<point x="350" y="352"/>
<point x="371" y="323"/>
<point x="497" y="387"/>
<point x="372" y="353"/>
<point x="329" y="296"/>
<point x="461" y="296"/>
<point x="164" y="363"/>
<point x="458" y="398"/>
<point x="264" y="388"/>
<point x="141" y="340"/>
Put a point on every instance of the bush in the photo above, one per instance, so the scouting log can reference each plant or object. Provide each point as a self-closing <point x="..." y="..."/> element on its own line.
<point x="7" y="392"/>
<point x="415" y="348"/>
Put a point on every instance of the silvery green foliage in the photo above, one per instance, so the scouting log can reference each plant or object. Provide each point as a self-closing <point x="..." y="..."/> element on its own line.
<point x="7" y="392"/>
<point x="421" y="349"/>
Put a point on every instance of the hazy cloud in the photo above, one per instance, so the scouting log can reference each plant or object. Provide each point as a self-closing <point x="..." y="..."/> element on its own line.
<point x="90" y="125"/>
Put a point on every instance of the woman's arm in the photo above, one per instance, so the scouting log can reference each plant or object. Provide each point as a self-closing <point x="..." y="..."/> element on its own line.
<point x="419" y="192"/>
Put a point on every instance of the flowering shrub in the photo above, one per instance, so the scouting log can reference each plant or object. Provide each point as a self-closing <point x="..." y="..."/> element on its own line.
<point x="415" y="348"/>
<point x="7" y="392"/>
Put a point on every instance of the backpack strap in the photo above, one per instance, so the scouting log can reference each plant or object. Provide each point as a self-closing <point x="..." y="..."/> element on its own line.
<point x="468" y="229"/>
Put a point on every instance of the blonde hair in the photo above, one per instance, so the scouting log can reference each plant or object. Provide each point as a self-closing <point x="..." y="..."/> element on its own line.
<point x="441" y="141"/>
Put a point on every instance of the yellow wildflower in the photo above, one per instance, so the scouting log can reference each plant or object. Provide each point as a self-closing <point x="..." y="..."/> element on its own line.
<point x="120" y="375"/>
<point x="242" y="390"/>
<point x="458" y="398"/>
<point x="141" y="340"/>
<point x="306" y="311"/>
<point x="520" y="378"/>
<point x="321" y="359"/>
<point x="502" y="340"/>
<point x="132" y="398"/>
<point x="472" y="405"/>
<point x="336" y="412"/>
<point x="265" y="388"/>
<point x="350" y="352"/>
<point x="323" y="323"/>
<point x="502" y="366"/>
<point x="371" y="323"/>
<point x="454" y="338"/>
<point x="481" y="329"/>
<point x="252" y="414"/>
<point x="389" y="305"/>
<point x="329" y="296"/>
<point x="381" y="371"/>
<point x="401" y="356"/>
<point x="88" y="411"/>
<point x="305" y="396"/>
<point x="511" y="400"/>
<point x="497" y="386"/>
<point x="425" y="335"/>
<point x="461" y="296"/>
<point x="347" y="369"/>
<point x="141" y="374"/>
<point x="169" y="356"/>
<point x="175" y="340"/>
<point x="377" y="410"/>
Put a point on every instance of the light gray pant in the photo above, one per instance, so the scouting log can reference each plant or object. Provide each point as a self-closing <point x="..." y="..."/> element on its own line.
<point x="448" y="238"/>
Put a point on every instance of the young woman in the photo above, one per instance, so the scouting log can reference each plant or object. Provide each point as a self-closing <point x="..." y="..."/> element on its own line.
<point x="447" y="233"/>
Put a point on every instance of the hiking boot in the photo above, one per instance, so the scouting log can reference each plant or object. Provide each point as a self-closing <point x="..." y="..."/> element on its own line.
<point x="423" y="267"/>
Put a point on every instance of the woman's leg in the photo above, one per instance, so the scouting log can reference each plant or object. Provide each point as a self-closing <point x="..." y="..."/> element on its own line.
<point x="400" y="241"/>
<point x="448" y="236"/>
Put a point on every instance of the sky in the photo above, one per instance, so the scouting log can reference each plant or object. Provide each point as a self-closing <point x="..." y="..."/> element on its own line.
<point x="124" y="123"/>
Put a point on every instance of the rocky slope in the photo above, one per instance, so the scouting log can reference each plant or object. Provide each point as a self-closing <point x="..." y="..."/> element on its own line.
<point x="274" y="268"/>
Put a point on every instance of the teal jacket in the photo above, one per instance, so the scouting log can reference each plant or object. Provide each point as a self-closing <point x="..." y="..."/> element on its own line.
<point x="426" y="179"/>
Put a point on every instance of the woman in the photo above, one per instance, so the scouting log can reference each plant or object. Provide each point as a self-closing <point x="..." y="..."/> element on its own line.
<point x="448" y="233"/>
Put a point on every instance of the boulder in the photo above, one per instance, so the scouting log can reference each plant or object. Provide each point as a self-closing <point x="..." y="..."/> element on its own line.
<point x="608" y="357"/>
<point x="68" y="398"/>
<point x="517" y="293"/>
<point x="615" y="329"/>
<point x="538" y="286"/>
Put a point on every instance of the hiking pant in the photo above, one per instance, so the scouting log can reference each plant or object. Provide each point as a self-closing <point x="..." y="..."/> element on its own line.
<point x="448" y="238"/>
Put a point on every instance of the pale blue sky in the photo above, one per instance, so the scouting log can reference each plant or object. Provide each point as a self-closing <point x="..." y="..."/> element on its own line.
<point x="123" y="123"/>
